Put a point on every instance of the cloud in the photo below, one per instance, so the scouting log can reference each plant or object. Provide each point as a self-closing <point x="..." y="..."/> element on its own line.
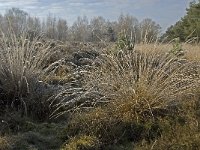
<point x="72" y="8"/>
<point x="25" y="5"/>
<point x="159" y="10"/>
<point x="14" y="3"/>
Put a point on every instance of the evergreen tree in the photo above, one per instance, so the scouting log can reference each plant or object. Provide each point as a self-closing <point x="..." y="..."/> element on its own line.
<point x="188" y="27"/>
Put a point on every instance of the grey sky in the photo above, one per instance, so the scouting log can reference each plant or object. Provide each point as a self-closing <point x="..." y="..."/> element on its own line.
<point x="164" y="12"/>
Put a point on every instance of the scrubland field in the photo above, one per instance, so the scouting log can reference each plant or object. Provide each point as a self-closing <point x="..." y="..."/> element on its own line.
<point x="99" y="84"/>
<point x="77" y="95"/>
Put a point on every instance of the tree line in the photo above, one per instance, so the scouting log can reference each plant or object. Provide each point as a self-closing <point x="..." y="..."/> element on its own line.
<point x="96" y="29"/>
<point x="99" y="29"/>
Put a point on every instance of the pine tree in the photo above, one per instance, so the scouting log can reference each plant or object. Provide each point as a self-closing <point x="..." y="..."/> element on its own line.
<point x="188" y="27"/>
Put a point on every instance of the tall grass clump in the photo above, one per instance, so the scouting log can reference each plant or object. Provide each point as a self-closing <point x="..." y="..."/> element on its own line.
<point x="23" y="60"/>
<point x="143" y="80"/>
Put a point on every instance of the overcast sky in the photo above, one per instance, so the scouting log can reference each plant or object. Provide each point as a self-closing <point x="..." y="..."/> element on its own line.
<point x="164" y="12"/>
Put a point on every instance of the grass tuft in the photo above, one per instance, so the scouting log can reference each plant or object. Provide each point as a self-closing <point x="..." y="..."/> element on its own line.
<point x="23" y="62"/>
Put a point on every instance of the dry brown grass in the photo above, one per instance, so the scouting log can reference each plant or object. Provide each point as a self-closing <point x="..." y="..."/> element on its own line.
<point x="150" y="69"/>
<point x="154" y="48"/>
<point x="172" y="128"/>
<point x="178" y="132"/>
<point x="82" y="142"/>
<point x="4" y="143"/>
<point x="23" y="62"/>
<point x="192" y="52"/>
<point x="144" y="78"/>
<point x="145" y="96"/>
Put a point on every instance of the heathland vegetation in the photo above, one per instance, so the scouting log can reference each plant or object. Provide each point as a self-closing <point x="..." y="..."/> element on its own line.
<point x="98" y="84"/>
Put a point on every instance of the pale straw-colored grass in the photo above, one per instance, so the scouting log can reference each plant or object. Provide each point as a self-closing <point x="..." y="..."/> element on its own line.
<point x="22" y="63"/>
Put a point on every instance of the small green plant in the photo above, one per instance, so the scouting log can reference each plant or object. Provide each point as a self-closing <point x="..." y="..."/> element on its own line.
<point x="177" y="49"/>
<point x="125" y="42"/>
